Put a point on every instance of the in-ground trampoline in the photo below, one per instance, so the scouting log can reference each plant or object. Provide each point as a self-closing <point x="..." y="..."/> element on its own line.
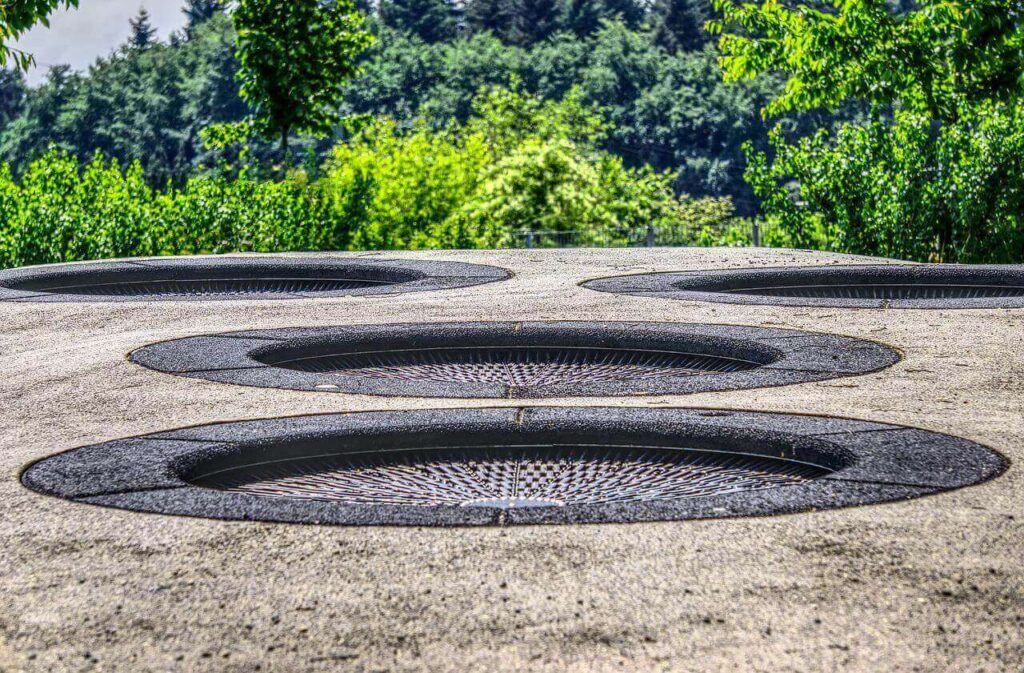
<point x="878" y="286"/>
<point x="517" y="360"/>
<point x="514" y="466"/>
<point x="237" y="278"/>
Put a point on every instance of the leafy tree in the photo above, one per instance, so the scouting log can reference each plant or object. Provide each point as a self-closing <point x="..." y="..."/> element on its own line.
<point x="519" y="23"/>
<point x="143" y="33"/>
<point x="16" y="17"/>
<point x="934" y="175"/>
<point x="294" y="57"/>
<point x="397" y="74"/>
<point x="43" y="123"/>
<point x="904" y="189"/>
<point x="931" y="57"/>
<point x="464" y="68"/>
<point x="628" y="12"/>
<point x="430" y="20"/>
<point x="669" y="110"/>
<point x="518" y="163"/>
<point x="585" y="17"/>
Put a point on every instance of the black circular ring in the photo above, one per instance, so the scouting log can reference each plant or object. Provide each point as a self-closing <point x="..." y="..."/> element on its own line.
<point x="905" y="286"/>
<point x="237" y="278"/>
<point x="860" y="463"/>
<point x="733" y="358"/>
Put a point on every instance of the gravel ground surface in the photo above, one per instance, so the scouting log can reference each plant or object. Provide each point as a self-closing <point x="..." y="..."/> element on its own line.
<point x="933" y="584"/>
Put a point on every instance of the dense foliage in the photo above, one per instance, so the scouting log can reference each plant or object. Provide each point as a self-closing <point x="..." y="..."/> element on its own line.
<point x="667" y="108"/>
<point x="517" y="163"/>
<point x="930" y="56"/>
<point x="935" y="173"/>
<point x="905" y="189"/>
<point x="58" y="211"/>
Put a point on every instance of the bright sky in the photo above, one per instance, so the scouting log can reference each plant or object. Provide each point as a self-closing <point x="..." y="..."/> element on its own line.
<point x="77" y="37"/>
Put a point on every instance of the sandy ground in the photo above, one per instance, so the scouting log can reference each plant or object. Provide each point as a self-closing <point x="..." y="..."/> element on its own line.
<point x="935" y="584"/>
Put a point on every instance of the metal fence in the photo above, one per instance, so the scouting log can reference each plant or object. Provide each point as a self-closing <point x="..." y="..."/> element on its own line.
<point x="740" y="233"/>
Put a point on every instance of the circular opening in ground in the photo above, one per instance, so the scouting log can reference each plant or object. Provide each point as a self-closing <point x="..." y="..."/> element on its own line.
<point x="521" y="366"/>
<point x="880" y="286"/>
<point x="884" y="291"/>
<point x="514" y="465"/>
<point x="190" y="287"/>
<point x="228" y="280"/>
<point x="517" y="360"/>
<point x="511" y="476"/>
<point x="225" y="278"/>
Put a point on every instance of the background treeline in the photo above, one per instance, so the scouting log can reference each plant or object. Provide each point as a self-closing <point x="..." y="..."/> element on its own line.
<point x="516" y="162"/>
<point x="882" y="127"/>
<point x="652" y="69"/>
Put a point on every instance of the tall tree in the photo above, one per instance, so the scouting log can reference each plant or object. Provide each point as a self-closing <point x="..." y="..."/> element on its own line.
<point x="294" y="58"/>
<point x="516" y="22"/>
<point x="143" y="33"/>
<point x="43" y="122"/>
<point x="934" y="175"/>
<point x="430" y="20"/>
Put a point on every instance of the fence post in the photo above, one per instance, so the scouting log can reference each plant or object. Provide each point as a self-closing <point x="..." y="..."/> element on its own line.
<point x="755" y="234"/>
<point x="529" y="239"/>
<point x="650" y="235"/>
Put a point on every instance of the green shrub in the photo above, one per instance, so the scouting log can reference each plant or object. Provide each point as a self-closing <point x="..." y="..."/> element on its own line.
<point x="58" y="212"/>
<point x="518" y="164"/>
<point x="908" y="188"/>
<point x="398" y="189"/>
<point x="217" y="215"/>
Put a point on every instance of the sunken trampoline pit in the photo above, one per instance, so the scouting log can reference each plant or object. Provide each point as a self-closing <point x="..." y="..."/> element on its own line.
<point x="880" y="286"/>
<point x="517" y="360"/>
<point x="237" y="277"/>
<point x="514" y="466"/>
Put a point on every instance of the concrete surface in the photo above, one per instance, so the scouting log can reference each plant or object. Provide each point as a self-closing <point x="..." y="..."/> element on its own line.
<point x="933" y="584"/>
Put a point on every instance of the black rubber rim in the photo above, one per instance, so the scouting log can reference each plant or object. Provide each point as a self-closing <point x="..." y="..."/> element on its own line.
<point x="900" y="286"/>
<point x="597" y="358"/>
<point x="235" y="278"/>
<point x="860" y="463"/>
